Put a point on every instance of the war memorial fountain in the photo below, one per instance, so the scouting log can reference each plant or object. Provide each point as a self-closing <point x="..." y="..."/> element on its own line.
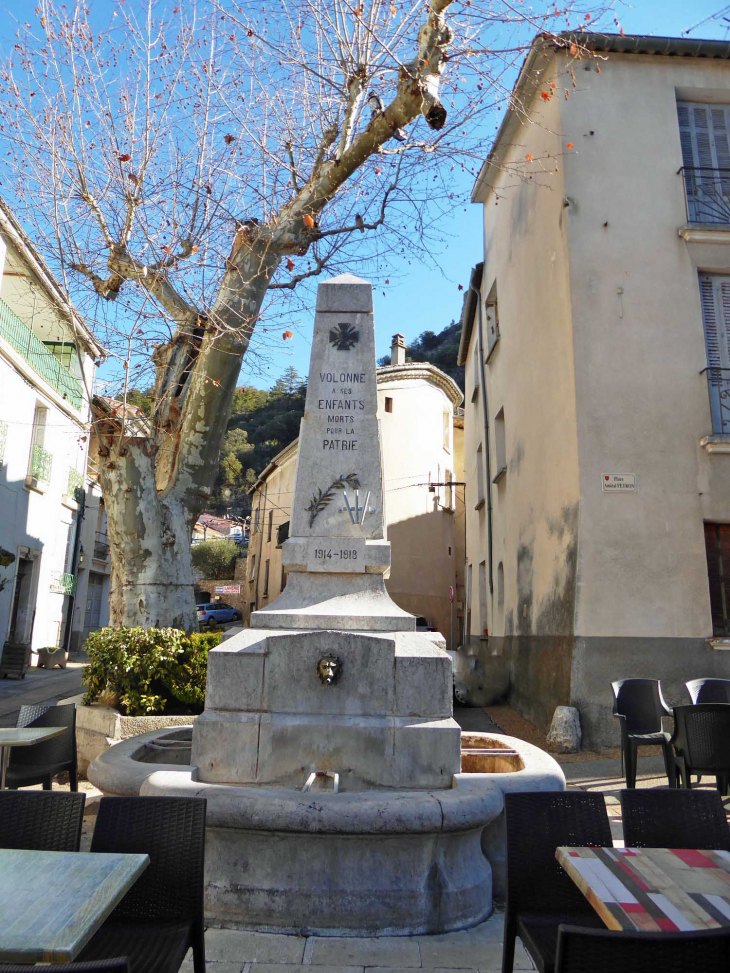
<point x="343" y="798"/>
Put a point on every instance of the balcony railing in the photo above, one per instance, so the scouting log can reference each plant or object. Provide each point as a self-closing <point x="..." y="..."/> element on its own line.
<point x="43" y="362"/>
<point x="76" y="485"/>
<point x="101" y="546"/>
<point x="706" y="194"/>
<point x="718" y="385"/>
<point x="41" y="464"/>
<point x="64" y="583"/>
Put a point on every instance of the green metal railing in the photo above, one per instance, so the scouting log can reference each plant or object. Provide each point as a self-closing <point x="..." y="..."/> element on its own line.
<point x="64" y="583"/>
<point x="38" y="356"/>
<point x="41" y="463"/>
<point x="76" y="485"/>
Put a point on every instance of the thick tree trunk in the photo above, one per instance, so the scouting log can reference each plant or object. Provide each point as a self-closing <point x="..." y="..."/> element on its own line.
<point x="158" y="473"/>
<point x="149" y="534"/>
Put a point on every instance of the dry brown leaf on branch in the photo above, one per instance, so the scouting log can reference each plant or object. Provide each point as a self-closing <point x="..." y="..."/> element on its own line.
<point x="308" y="221"/>
<point x="289" y="264"/>
<point x="125" y="157"/>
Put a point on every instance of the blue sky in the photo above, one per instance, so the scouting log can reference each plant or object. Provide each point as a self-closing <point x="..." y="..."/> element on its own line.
<point x="420" y="298"/>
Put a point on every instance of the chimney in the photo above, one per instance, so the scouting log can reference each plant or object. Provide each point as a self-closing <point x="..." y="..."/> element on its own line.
<point x="398" y="350"/>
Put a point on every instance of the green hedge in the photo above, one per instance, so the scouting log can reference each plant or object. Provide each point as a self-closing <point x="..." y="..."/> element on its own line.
<point x="148" y="669"/>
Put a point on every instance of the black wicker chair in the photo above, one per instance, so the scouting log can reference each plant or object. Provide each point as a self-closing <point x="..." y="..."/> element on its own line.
<point x="674" y="819"/>
<point x="540" y="895"/>
<point x="709" y="690"/>
<point x="161" y="916"/>
<point x="119" y="965"/>
<point x="638" y="705"/>
<point x="39" y="764"/>
<point x="702" y="742"/>
<point x="605" y="951"/>
<point x="40" y="821"/>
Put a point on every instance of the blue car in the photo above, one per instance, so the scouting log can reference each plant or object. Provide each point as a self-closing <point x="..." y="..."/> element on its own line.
<point x="216" y="613"/>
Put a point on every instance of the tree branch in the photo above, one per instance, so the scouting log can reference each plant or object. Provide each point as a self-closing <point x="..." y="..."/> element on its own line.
<point x="292" y="167"/>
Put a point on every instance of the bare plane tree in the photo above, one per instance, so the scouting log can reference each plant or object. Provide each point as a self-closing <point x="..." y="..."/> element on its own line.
<point x="184" y="166"/>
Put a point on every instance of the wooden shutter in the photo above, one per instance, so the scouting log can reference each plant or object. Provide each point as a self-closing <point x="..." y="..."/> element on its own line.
<point x="704" y="134"/>
<point x="715" y="300"/>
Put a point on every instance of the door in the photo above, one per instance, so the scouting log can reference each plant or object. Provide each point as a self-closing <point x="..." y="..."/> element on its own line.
<point x="93" y="602"/>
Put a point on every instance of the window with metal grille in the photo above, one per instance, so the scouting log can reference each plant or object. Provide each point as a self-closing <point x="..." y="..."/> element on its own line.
<point x="271" y="525"/>
<point x="717" y="546"/>
<point x="266" y="578"/>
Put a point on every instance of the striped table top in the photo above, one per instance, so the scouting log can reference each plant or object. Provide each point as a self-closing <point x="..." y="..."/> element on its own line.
<point x="653" y="889"/>
<point x="52" y="902"/>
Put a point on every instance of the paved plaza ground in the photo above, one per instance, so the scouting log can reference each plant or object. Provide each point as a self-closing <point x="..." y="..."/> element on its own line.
<point x="476" y="949"/>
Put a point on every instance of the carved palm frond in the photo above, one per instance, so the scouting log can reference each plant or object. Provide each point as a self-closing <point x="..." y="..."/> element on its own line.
<point x="321" y="500"/>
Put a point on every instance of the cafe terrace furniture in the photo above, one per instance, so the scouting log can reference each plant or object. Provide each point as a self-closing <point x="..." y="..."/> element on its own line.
<point x="162" y="916"/>
<point x="41" y="821"/>
<point x="11" y="736"/>
<point x="638" y="705"/>
<point x="14" y="660"/>
<point x="40" y="764"/>
<point x="701" y="742"/>
<point x="673" y="819"/>
<point x="54" y="901"/>
<point x="653" y="889"/>
<point x="539" y="894"/>
<point x="709" y="690"/>
<point x="603" y="951"/>
<point x="119" y="965"/>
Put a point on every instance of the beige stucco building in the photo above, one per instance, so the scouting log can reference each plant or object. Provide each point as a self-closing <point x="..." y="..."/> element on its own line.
<point x="421" y="435"/>
<point x="597" y="349"/>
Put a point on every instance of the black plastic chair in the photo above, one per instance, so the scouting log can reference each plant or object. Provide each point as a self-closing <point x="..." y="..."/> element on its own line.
<point x="701" y="742"/>
<point x="605" y="951"/>
<point x="39" y="821"/>
<point x="161" y="916"/>
<point x="674" y="819"/>
<point x="638" y="705"/>
<point x="709" y="690"/>
<point x="540" y="895"/>
<point x="41" y="762"/>
<point x="118" y="965"/>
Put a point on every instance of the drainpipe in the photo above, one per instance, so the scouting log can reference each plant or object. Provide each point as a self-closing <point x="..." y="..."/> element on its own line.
<point x="485" y="414"/>
<point x="262" y="510"/>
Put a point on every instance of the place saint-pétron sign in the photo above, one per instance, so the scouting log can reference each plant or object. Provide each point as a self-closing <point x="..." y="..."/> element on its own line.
<point x="619" y="482"/>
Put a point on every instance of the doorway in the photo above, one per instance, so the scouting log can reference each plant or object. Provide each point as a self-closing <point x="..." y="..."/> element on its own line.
<point x="21" y="616"/>
<point x="94" y="592"/>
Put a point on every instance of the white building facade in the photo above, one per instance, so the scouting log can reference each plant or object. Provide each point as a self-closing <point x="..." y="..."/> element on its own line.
<point x="596" y="342"/>
<point x="47" y="364"/>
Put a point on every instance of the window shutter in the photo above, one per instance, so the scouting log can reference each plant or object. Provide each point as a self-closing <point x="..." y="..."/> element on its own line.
<point x="715" y="300"/>
<point x="685" y="135"/>
<point x="709" y="320"/>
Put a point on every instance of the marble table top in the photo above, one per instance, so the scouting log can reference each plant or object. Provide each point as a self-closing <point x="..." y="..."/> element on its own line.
<point x="25" y="736"/>
<point x="653" y="889"/>
<point x="52" y="902"/>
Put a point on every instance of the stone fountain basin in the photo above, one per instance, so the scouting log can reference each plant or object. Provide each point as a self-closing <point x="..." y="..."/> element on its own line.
<point x="371" y="859"/>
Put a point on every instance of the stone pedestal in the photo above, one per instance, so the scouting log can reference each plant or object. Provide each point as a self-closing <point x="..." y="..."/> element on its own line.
<point x="383" y="716"/>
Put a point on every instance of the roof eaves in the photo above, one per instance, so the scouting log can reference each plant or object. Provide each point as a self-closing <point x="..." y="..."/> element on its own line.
<point x="599" y="43"/>
<point x="468" y="311"/>
<point x="10" y="226"/>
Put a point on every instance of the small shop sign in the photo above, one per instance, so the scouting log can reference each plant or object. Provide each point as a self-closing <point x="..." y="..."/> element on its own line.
<point x="619" y="482"/>
<point x="228" y="589"/>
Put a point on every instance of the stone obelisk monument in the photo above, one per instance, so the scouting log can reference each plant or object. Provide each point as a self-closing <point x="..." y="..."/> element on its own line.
<point x="332" y="677"/>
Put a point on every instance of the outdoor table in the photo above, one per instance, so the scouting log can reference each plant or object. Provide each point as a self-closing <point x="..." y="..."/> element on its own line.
<point x="52" y="902"/>
<point x="653" y="889"/>
<point x="22" y="736"/>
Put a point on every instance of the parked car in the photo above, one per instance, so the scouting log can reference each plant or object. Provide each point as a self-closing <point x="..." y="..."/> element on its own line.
<point x="216" y="613"/>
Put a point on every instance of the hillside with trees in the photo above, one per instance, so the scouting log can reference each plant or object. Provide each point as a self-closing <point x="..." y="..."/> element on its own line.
<point x="439" y="349"/>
